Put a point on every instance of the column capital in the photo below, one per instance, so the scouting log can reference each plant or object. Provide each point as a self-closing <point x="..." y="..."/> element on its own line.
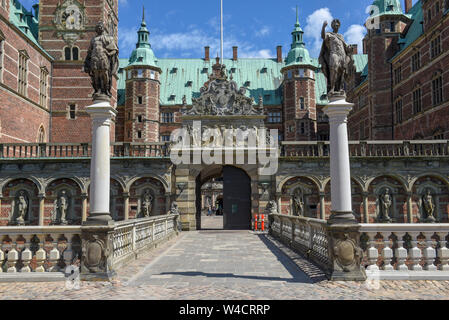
<point x="125" y="194"/>
<point x="84" y="196"/>
<point x="41" y="196"/>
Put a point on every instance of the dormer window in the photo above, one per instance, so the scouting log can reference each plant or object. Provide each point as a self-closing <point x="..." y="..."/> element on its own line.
<point x="205" y="70"/>
<point x="140" y="59"/>
<point x="189" y="84"/>
<point x="264" y="70"/>
<point x="390" y="7"/>
<point x="140" y="73"/>
<point x="233" y="70"/>
<point x="172" y="97"/>
<point x="174" y="70"/>
<point x="247" y="83"/>
<point x="152" y="75"/>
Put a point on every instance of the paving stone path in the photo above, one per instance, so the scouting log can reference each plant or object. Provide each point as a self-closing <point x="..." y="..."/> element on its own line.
<point x="224" y="265"/>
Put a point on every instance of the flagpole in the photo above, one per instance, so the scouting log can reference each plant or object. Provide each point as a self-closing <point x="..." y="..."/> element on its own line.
<point x="221" y="41"/>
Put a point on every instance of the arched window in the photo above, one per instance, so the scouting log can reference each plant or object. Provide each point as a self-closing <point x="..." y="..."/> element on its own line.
<point x="71" y="53"/>
<point x="41" y="135"/>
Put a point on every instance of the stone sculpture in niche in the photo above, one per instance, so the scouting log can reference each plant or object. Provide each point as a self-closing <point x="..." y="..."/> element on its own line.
<point x="386" y="202"/>
<point x="147" y="204"/>
<point x="428" y="206"/>
<point x="60" y="209"/>
<point x="298" y="202"/>
<point x="22" y="206"/>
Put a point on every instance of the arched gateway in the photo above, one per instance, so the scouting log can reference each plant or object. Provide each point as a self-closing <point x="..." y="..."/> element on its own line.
<point x="224" y="137"/>
<point x="236" y="198"/>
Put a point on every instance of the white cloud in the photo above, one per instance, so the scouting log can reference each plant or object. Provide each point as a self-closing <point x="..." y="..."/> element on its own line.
<point x="127" y="39"/>
<point x="355" y="35"/>
<point x="313" y="27"/>
<point x="264" y="31"/>
<point x="264" y="53"/>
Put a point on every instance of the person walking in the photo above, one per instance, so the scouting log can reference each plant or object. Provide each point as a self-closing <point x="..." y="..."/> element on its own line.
<point x="209" y="211"/>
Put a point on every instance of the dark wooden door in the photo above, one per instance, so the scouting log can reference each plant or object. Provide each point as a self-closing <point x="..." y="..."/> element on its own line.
<point x="236" y="199"/>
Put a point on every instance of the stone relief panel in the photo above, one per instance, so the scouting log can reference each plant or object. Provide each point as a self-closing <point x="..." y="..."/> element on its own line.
<point x="62" y="203"/>
<point x="387" y="201"/>
<point x="431" y="196"/>
<point x="147" y="198"/>
<point x="20" y="203"/>
<point x="300" y="197"/>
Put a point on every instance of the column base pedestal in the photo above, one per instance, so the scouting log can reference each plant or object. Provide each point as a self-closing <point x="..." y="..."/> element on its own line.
<point x="99" y="219"/>
<point x="342" y="217"/>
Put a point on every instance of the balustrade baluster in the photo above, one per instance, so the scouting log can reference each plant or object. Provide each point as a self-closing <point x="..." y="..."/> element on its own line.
<point x="401" y="252"/>
<point x="387" y="254"/>
<point x="13" y="257"/>
<point x="415" y="252"/>
<point x="26" y="254"/>
<point x="54" y="255"/>
<point x="40" y="254"/>
<point x="429" y="253"/>
<point x="373" y="252"/>
<point x="68" y="252"/>
<point x="443" y="251"/>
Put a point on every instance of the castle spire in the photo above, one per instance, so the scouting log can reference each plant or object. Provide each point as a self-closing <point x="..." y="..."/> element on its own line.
<point x="143" y="33"/>
<point x="297" y="33"/>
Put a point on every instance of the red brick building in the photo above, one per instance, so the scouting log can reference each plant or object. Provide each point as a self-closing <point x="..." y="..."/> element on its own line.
<point x="403" y="92"/>
<point x="399" y="85"/>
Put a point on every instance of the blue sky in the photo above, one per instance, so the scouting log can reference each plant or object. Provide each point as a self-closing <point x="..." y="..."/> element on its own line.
<point x="181" y="28"/>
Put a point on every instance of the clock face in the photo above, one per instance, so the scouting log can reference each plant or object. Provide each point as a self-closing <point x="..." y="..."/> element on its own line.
<point x="71" y="18"/>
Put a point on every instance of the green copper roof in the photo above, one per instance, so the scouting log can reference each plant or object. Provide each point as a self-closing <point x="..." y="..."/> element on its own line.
<point x="185" y="77"/>
<point x="298" y="54"/>
<point x="415" y="30"/>
<point x="24" y="20"/>
<point x="143" y="54"/>
<point x="361" y="64"/>
<point x="390" y="7"/>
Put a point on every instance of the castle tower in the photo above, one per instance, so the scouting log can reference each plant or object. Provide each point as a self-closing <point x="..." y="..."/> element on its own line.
<point x="385" y="24"/>
<point x="65" y="30"/>
<point x="142" y="114"/>
<point x="300" y="112"/>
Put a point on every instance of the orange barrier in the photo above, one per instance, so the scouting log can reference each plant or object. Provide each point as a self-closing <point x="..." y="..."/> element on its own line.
<point x="255" y="222"/>
<point x="262" y="222"/>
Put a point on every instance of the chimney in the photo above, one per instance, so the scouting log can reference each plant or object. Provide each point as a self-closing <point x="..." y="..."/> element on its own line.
<point x="206" y="53"/>
<point x="279" y="54"/>
<point x="355" y="48"/>
<point x="234" y="53"/>
<point x="408" y="5"/>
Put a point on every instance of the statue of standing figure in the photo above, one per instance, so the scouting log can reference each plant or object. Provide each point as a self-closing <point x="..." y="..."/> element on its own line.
<point x="428" y="206"/>
<point x="22" y="208"/>
<point x="60" y="209"/>
<point x="298" y="201"/>
<point x="102" y="63"/>
<point x="147" y="204"/>
<point x="386" y="202"/>
<point x="335" y="58"/>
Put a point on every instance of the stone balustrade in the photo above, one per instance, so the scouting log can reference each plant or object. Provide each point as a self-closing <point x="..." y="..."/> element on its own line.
<point x="306" y="235"/>
<point x="38" y="253"/>
<point x="80" y="150"/>
<point x="419" y="148"/>
<point x="302" y="149"/>
<point x="406" y="251"/>
<point x="131" y="237"/>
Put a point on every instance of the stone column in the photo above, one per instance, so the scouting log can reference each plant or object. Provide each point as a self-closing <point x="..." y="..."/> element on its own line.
<point x="365" y="206"/>
<point x="343" y="230"/>
<point x="167" y="202"/>
<point x="409" y="207"/>
<point x="101" y="113"/>
<point x="41" y="208"/>
<point x="341" y="197"/>
<point x="126" y="205"/>
<point x="322" y="206"/>
<point x="84" y="198"/>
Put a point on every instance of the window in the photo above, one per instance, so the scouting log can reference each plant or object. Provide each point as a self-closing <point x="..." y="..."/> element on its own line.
<point x="140" y="73"/>
<point x="362" y="130"/>
<point x="437" y="90"/>
<point x="397" y="75"/>
<point x="289" y="74"/>
<point x="302" y="103"/>
<point x="23" y="70"/>
<point x="165" y="138"/>
<point x="140" y="118"/>
<point x="398" y="108"/>
<point x="267" y="97"/>
<point x="139" y="100"/>
<point x="139" y="134"/>
<point x="416" y="62"/>
<point x="41" y="135"/>
<point x="392" y="27"/>
<point x="189" y="84"/>
<point x="152" y="75"/>
<point x="301" y="73"/>
<point x="435" y="47"/>
<point x="303" y="128"/>
<point x="167" y="117"/>
<point x="72" y="112"/>
<point x="417" y="104"/>
<point x="43" y="83"/>
<point x="71" y="53"/>
<point x="274" y="117"/>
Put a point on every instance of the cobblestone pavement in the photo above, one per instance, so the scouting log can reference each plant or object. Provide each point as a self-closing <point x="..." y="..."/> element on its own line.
<point x="224" y="265"/>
